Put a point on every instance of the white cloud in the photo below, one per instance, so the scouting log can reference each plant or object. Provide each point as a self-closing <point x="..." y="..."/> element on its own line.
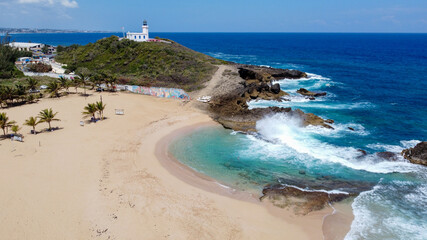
<point x="64" y="3"/>
<point x="69" y="4"/>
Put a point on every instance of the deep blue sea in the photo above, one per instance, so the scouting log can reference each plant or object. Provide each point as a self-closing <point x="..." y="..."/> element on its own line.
<point x="375" y="84"/>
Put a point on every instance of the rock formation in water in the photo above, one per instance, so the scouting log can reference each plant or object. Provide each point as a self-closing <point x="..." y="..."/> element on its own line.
<point x="305" y="92"/>
<point x="305" y="195"/>
<point x="230" y="107"/>
<point x="417" y="154"/>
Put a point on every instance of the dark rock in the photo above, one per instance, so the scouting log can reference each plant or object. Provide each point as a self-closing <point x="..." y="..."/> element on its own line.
<point x="265" y="74"/>
<point x="231" y="108"/>
<point x="352" y="129"/>
<point x="312" y="98"/>
<point x="417" y="154"/>
<point x="302" y="172"/>
<point x="275" y="88"/>
<point x="330" y="121"/>
<point x="289" y="192"/>
<point x="303" y="202"/>
<point x="389" y="156"/>
<point x="305" y="92"/>
<point x="363" y="152"/>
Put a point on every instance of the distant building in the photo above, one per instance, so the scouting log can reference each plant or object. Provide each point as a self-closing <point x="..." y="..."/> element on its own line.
<point x="23" y="46"/>
<point x="139" y="37"/>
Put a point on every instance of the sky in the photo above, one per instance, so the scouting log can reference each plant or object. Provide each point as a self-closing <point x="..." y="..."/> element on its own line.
<point x="218" y="15"/>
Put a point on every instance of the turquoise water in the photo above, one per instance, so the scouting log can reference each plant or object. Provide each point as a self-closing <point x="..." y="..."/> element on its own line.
<point x="375" y="83"/>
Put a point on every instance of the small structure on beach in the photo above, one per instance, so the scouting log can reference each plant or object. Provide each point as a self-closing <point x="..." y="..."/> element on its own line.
<point x="139" y="37"/>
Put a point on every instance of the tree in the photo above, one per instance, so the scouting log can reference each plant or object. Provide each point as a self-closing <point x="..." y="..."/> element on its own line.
<point x="64" y="83"/>
<point x="84" y="75"/>
<point x="100" y="106"/>
<point x="32" y="122"/>
<point x="15" y="129"/>
<point x="32" y="83"/>
<point x="90" y="110"/>
<point x="20" y="91"/>
<point x="47" y="115"/>
<point x="53" y="88"/>
<point x="5" y="123"/>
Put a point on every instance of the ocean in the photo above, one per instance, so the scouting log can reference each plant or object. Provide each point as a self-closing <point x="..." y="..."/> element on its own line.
<point x="376" y="84"/>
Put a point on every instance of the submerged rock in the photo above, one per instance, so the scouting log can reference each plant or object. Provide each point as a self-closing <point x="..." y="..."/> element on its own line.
<point x="389" y="156"/>
<point x="305" y="92"/>
<point x="303" y="202"/>
<point x="306" y="195"/>
<point x="417" y="154"/>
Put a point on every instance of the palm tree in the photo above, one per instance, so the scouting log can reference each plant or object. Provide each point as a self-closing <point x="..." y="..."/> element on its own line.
<point x="64" y="83"/>
<point x="20" y="91"/>
<point x="84" y="77"/>
<point x="100" y="106"/>
<point x="32" y="83"/>
<point x="5" y="123"/>
<point x="53" y="88"/>
<point x="15" y="129"/>
<point x="76" y="83"/>
<point x="32" y="122"/>
<point x="47" y="115"/>
<point x="90" y="110"/>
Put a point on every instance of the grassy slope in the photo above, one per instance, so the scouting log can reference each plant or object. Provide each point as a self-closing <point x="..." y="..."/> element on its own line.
<point x="43" y="80"/>
<point x="146" y="63"/>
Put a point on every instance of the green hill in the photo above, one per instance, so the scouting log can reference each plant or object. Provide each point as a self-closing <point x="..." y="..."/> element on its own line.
<point x="143" y="63"/>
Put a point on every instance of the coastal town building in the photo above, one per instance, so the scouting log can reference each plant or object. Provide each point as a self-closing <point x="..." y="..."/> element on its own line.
<point x="23" y="46"/>
<point x="139" y="37"/>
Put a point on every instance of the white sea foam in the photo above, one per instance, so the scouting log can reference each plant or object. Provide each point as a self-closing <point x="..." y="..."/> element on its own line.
<point x="316" y="190"/>
<point x="394" y="210"/>
<point x="393" y="148"/>
<point x="286" y="130"/>
<point x="306" y="103"/>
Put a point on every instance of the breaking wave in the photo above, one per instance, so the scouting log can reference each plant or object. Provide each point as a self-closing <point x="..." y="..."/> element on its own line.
<point x="286" y="130"/>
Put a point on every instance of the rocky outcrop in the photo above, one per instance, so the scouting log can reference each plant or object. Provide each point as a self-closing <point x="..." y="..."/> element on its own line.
<point x="266" y="74"/>
<point x="305" y="92"/>
<point x="231" y="109"/>
<point x="389" y="156"/>
<point x="303" y="202"/>
<point x="305" y="195"/>
<point x="417" y="154"/>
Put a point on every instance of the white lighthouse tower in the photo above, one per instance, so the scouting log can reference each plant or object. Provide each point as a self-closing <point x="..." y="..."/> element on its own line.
<point x="139" y="37"/>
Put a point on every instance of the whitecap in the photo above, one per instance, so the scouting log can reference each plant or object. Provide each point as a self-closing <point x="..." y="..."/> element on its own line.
<point x="288" y="131"/>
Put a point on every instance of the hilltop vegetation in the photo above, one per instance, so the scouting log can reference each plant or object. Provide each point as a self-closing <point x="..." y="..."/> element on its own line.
<point x="8" y="57"/>
<point x="142" y="63"/>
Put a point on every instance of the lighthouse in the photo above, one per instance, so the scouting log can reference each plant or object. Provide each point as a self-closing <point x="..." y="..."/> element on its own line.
<point x="139" y="37"/>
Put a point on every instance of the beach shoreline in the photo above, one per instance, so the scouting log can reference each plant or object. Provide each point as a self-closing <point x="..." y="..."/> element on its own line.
<point x="337" y="214"/>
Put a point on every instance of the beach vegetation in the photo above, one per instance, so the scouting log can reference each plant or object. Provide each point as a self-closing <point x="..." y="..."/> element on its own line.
<point x="157" y="64"/>
<point x="47" y="116"/>
<point x="32" y="122"/>
<point x="5" y="123"/>
<point x="100" y="107"/>
<point x="64" y="83"/>
<point x="15" y="129"/>
<point x="32" y="83"/>
<point x="53" y="88"/>
<point x="84" y="75"/>
<point x="90" y="110"/>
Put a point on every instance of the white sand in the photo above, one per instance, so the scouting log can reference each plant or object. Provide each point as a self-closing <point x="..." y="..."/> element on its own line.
<point x="105" y="181"/>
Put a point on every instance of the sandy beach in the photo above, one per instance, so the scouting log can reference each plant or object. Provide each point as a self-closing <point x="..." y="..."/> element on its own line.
<point x="114" y="179"/>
